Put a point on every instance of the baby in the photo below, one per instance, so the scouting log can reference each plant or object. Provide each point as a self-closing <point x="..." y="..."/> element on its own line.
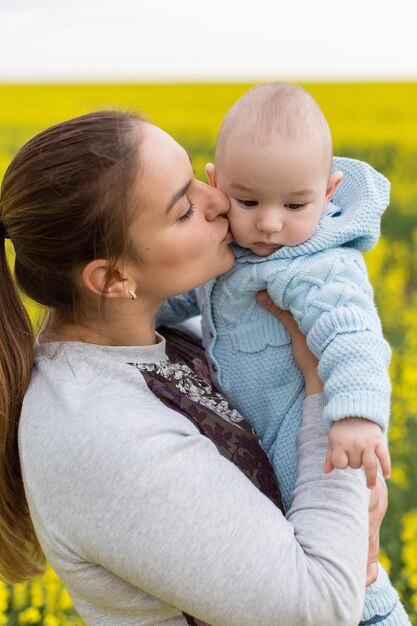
<point x="299" y="219"/>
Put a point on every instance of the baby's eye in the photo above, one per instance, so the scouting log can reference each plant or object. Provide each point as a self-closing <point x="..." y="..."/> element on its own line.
<point x="294" y="207"/>
<point x="248" y="203"/>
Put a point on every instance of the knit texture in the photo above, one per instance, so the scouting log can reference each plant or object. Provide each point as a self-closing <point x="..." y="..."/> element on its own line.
<point x="382" y="604"/>
<point x="324" y="283"/>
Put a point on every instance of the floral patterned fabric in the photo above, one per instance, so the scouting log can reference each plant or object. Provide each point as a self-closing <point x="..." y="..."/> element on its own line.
<point x="183" y="384"/>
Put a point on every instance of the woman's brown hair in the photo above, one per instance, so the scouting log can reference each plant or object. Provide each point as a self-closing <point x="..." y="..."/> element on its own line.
<point x="65" y="200"/>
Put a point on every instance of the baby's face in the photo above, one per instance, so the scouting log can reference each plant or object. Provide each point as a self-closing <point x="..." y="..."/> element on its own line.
<point x="277" y="194"/>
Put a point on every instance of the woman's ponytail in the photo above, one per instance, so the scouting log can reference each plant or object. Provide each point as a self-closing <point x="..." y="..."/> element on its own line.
<point x="66" y="199"/>
<point x="20" y="553"/>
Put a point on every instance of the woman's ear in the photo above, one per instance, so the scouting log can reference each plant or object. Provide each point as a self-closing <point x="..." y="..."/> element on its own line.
<point x="334" y="181"/>
<point x="211" y="175"/>
<point x="96" y="278"/>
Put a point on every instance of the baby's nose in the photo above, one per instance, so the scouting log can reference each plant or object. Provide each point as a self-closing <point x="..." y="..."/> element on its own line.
<point x="270" y="222"/>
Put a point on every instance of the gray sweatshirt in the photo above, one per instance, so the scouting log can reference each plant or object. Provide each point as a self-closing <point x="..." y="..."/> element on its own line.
<point x="142" y="518"/>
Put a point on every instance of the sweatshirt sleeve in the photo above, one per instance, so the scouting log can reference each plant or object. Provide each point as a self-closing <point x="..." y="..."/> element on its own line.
<point x="331" y="299"/>
<point x="164" y="511"/>
<point x="178" y="309"/>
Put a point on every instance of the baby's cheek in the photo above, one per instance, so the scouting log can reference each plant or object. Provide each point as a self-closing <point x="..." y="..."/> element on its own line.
<point x="240" y="236"/>
<point x="238" y="225"/>
<point x="302" y="232"/>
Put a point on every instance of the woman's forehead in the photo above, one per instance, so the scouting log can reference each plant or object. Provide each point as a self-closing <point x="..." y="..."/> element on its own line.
<point x="165" y="167"/>
<point x="159" y="145"/>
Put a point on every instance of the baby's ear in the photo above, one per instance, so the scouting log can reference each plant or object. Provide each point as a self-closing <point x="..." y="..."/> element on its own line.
<point x="211" y="175"/>
<point x="334" y="181"/>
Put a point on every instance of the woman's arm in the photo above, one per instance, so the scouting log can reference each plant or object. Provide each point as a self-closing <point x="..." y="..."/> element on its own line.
<point x="153" y="502"/>
<point x="307" y="363"/>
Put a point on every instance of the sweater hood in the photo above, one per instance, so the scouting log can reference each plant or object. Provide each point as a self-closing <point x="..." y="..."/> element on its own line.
<point x="352" y="219"/>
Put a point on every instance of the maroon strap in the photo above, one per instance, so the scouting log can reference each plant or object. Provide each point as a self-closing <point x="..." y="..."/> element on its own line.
<point x="183" y="384"/>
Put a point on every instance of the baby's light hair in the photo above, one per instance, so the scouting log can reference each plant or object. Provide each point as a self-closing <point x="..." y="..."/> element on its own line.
<point x="280" y="112"/>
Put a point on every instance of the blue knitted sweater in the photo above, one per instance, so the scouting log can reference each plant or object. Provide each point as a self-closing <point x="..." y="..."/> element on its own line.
<point x="324" y="283"/>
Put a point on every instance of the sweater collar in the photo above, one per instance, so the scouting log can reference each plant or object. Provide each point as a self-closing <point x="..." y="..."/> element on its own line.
<point x="124" y="354"/>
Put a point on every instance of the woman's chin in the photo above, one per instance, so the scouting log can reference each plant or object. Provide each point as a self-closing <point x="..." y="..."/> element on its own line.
<point x="230" y="260"/>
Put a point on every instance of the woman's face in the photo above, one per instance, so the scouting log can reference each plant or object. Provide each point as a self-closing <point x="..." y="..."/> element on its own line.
<point x="181" y="233"/>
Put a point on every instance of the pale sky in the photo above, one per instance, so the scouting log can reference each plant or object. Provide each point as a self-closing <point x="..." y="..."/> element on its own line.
<point x="147" y="40"/>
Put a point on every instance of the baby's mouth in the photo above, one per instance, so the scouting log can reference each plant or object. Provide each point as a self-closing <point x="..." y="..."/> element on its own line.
<point x="268" y="245"/>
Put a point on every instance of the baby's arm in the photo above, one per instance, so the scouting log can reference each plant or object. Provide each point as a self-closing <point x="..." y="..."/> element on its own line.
<point x="357" y="442"/>
<point x="331" y="298"/>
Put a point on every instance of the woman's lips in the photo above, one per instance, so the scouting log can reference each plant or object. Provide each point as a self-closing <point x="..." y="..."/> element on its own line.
<point x="229" y="236"/>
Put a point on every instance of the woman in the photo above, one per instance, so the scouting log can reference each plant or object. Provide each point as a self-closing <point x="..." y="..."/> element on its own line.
<point x="142" y="516"/>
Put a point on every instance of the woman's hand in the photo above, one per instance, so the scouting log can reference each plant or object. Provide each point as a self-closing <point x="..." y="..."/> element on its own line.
<point x="304" y="358"/>
<point x="378" y="503"/>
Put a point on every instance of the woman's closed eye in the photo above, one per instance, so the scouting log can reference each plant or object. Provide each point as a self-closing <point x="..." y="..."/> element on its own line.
<point x="188" y="213"/>
<point x="247" y="203"/>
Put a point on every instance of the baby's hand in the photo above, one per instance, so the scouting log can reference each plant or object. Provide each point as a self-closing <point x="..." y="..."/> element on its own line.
<point x="356" y="442"/>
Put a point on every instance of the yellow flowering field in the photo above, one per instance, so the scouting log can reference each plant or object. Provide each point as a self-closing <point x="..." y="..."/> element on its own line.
<point x="375" y="122"/>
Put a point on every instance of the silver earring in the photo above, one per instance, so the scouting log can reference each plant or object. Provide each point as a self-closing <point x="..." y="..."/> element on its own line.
<point x="132" y="294"/>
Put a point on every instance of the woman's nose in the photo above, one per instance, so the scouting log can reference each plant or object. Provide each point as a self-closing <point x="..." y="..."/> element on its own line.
<point x="216" y="202"/>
